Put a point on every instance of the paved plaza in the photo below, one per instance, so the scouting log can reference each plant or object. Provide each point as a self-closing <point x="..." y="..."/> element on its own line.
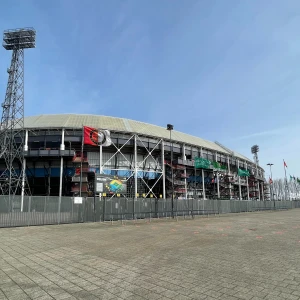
<point x="234" y="256"/>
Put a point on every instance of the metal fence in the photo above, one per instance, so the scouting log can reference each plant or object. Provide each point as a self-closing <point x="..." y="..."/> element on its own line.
<point x="54" y="210"/>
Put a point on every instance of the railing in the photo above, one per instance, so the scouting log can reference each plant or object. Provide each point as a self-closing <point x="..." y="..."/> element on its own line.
<point x="49" y="152"/>
<point x="37" y="210"/>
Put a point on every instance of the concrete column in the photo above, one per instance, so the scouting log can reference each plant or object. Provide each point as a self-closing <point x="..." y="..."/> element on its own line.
<point x="240" y="188"/>
<point x="202" y="174"/>
<point x="248" y="197"/>
<point x="203" y="185"/>
<point x="184" y="158"/>
<point x="135" y="168"/>
<point x="258" y="191"/>
<point x="26" y="141"/>
<point x="218" y="184"/>
<point x="228" y="167"/>
<point x="62" y="147"/>
<point x="163" y="168"/>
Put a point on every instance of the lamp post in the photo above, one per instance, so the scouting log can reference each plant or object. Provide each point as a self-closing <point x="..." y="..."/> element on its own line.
<point x="270" y="165"/>
<point x="170" y="127"/>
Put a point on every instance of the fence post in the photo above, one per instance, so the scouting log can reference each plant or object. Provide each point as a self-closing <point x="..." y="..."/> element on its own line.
<point x="59" y="204"/>
<point x="29" y="209"/>
<point x="72" y="210"/>
<point x="44" y="211"/>
<point x="103" y="212"/>
<point x="133" y="208"/>
<point x="193" y="208"/>
<point x="84" y="209"/>
<point x="94" y="207"/>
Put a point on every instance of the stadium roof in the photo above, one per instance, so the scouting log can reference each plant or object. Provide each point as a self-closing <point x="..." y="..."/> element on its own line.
<point x="120" y="125"/>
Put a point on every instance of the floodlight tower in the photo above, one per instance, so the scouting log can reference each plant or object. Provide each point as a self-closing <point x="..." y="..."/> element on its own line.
<point x="254" y="151"/>
<point x="13" y="179"/>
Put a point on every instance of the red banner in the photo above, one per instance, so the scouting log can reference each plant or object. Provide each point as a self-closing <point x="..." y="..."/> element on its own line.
<point x="90" y="136"/>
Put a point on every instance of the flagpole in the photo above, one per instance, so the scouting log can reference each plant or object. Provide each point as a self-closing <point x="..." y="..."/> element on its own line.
<point x="81" y="158"/>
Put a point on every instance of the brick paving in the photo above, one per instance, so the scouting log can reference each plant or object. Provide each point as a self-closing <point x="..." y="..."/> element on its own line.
<point x="235" y="256"/>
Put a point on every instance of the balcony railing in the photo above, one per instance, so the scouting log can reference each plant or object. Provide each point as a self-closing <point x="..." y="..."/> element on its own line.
<point x="49" y="152"/>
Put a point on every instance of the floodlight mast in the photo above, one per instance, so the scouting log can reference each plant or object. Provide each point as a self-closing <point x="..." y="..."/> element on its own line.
<point x="13" y="180"/>
<point x="254" y="151"/>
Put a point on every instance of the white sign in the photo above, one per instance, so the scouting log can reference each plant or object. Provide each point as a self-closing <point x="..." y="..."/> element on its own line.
<point x="77" y="200"/>
<point x="99" y="186"/>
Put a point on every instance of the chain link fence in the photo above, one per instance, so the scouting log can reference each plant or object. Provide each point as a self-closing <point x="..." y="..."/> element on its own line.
<point x="36" y="210"/>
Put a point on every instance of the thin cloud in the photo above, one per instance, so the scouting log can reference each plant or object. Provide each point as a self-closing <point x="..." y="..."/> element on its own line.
<point x="277" y="131"/>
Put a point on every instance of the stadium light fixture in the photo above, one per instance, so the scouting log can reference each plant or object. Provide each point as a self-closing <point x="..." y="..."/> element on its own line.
<point x="254" y="149"/>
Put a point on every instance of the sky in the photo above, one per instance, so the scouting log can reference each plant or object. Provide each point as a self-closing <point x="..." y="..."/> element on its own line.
<point x="226" y="71"/>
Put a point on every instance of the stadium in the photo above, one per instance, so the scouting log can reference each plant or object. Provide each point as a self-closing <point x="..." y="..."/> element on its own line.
<point x="143" y="160"/>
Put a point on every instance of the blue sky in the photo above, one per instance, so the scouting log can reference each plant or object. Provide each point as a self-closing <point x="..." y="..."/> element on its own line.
<point x="221" y="70"/>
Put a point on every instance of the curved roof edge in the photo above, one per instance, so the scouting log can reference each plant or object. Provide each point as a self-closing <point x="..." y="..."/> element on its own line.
<point x="122" y="125"/>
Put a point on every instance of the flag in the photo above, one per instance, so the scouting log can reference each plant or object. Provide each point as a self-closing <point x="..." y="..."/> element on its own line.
<point x="202" y="163"/>
<point x="270" y="180"/>
<point x="298" y="180"/>
<point x="284" y="164"/>
<point x="243" y="173"/>
<point x="291" y="177"/>
<point x="216" y="165"/>
<point x="96" y="137"/>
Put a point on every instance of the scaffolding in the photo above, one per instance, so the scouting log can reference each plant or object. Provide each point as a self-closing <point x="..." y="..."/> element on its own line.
<point x="143" y="162"/>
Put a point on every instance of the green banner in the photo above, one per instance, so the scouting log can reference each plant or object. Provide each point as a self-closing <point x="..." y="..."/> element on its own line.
<point x="216" y="165"/>
<point x="224" y="167"/>
<point x="202" y="163"/>
<point x="298" y="180"/>
<point x="243" y="173"/>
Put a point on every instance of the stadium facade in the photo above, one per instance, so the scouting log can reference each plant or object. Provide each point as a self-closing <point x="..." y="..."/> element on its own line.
<point x="139" y="156"/>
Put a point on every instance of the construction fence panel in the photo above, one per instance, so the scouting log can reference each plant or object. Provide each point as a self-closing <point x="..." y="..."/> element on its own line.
<point x="19" y="213"/>
<point x="45" y="210"/>
<point x="89" y="210"/>
<point x="36" y="213"/>
<point x="66" y="210"/>
<point x="199" y="206"/>
<point x="296" y="204"/>
<point x="51" y="209"/>
<point x="182" y="207"/>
